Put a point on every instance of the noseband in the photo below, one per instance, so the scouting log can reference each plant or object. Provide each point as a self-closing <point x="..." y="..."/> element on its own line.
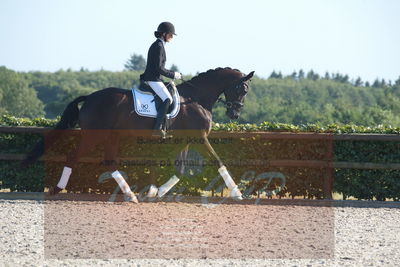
<point x="232" y="104"/>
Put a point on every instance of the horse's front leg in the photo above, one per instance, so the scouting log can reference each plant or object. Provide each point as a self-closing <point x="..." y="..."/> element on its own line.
<point x="165" y="188"/>
<point x="173" y="180"/>
<point x="230" y="183"/>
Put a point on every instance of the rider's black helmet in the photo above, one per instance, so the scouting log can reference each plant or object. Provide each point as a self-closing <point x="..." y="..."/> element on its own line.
<point x="166" y="27"/>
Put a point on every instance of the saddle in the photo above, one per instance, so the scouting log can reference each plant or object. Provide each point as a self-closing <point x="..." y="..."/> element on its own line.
<point x="146" y="102"/>
<point x="144" y="87"/>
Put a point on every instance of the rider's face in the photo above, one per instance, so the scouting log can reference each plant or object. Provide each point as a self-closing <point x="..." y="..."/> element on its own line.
<point x="168" y="36"/>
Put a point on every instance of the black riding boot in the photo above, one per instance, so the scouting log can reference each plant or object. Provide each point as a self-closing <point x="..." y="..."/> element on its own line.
<point x="162" y="112"/>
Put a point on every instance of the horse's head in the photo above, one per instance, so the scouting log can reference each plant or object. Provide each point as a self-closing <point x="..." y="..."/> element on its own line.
<point x="234" y="96"/>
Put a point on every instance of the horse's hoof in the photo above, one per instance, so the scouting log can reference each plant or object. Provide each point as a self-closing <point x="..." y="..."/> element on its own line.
<point x="152" y="191"/>
<point x="54" y="190"/>
<point x="130" y="197"/>
<point x="239" y="198"/>
<point x="236" y="194"/>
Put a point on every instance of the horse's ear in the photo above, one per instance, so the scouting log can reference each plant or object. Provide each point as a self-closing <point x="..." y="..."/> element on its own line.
<point x="249" y="76"/>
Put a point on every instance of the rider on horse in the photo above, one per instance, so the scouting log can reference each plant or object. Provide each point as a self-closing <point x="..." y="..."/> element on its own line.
<point x="155" y="67"/>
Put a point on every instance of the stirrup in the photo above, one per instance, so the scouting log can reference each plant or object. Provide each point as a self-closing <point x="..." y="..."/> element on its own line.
<point x="161" y="133"/>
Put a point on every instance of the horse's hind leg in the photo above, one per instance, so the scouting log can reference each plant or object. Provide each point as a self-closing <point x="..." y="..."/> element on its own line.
<point x="111" y="152"/>
<point x="128" y="194"/>
<point x="88" y="142"/>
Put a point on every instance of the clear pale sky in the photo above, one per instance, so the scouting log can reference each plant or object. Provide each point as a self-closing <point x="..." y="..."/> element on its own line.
<point x="354" y="37"/>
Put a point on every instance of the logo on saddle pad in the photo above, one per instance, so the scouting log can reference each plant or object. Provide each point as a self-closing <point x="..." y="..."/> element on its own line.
<point x="144" y="104"/>
<point x="144" y="108"/>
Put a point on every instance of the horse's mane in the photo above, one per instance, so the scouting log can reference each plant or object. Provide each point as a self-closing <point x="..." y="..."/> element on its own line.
<point x="188" y="88"/>
<point x="203" y="74"/>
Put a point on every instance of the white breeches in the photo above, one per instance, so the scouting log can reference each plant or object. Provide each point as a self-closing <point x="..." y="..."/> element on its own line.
<point x="160" y="89"/>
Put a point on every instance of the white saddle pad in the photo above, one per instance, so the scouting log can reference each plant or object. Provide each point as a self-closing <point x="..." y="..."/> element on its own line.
<point x="144" y="104"/>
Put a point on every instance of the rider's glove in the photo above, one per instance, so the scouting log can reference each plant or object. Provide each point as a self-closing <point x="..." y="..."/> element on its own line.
<point x="177" y="76"/>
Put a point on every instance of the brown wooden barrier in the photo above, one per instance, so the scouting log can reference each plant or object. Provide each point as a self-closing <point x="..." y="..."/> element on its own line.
<point x="328" y="165"/>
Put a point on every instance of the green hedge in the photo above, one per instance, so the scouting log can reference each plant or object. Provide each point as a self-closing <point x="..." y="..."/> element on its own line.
<point x="303" y="182"/>
<point x="7" y="120"/>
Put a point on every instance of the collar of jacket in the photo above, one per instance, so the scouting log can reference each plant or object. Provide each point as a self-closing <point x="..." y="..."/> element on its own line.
<point x="163" y="42"/>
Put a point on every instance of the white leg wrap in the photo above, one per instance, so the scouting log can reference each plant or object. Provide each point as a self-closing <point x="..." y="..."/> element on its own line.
<point x="152" y="191"/>
<point x="167" y="186"/>
<point x="129" y="195"/>
<point x="227" y="177"/>
<point x="235" y="192"/>
<point x="64" y="178"/>
<point x="121" y="182"/>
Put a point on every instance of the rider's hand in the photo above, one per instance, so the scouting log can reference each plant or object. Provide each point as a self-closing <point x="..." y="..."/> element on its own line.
<point x="177" y="76"/>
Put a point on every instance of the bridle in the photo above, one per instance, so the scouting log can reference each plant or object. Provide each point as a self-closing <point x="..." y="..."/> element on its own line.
<point x="228" y="104"/>
<point x="233" y="104"/>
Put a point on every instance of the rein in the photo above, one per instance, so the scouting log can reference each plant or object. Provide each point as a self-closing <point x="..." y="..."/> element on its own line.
<point x="227" y="104"/>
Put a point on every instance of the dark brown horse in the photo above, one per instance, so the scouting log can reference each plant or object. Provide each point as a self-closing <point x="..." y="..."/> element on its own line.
<point x="112" y="109"/>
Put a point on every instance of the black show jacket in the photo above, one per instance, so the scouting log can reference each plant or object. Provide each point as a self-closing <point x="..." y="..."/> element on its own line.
<point x="155" y="67"/>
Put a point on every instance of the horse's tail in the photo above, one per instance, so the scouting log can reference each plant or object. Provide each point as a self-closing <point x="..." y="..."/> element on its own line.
<point x="69" y="119"/>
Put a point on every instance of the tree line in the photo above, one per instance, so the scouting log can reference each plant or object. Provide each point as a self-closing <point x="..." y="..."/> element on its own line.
<point x="311" y="75"/>
<point x="298" y="98"/>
